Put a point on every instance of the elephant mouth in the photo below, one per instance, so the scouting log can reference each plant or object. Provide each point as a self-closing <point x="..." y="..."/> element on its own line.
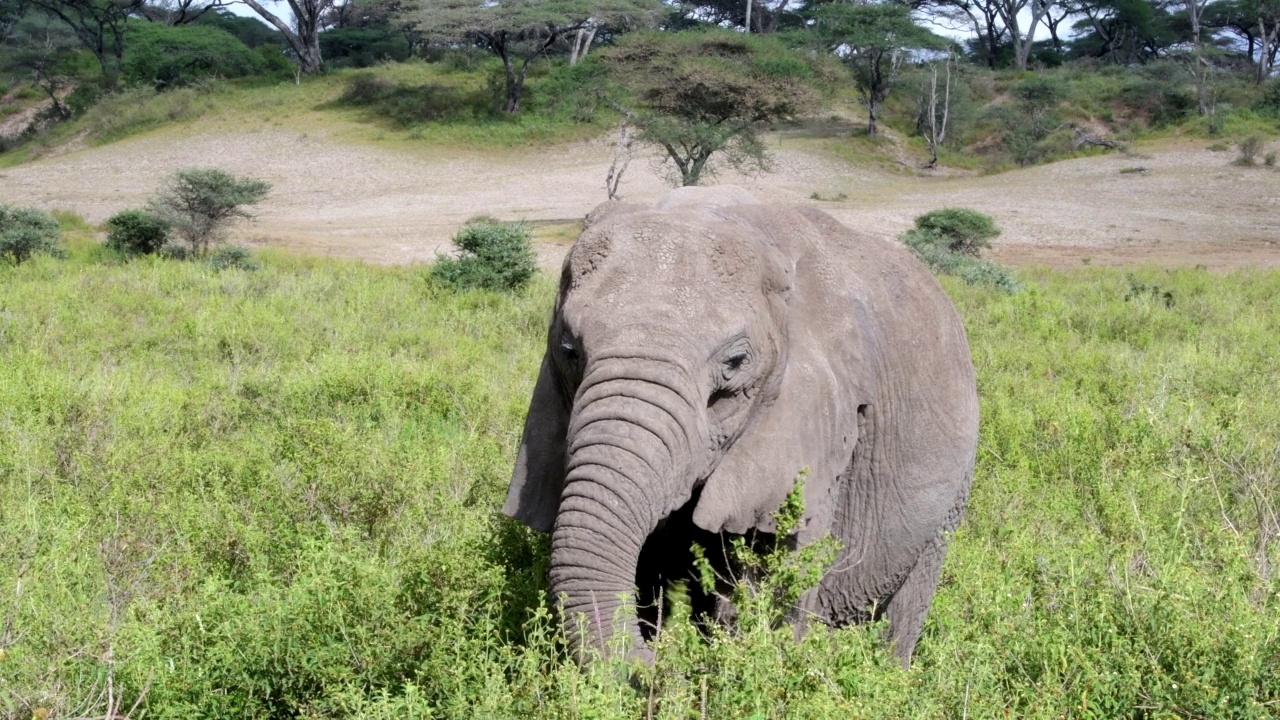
<point x="667" y="571"/>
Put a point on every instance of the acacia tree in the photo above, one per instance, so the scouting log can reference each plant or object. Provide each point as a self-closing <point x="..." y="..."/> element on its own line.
<point x="303" y="34"/>
<point x="199" y="203"/>
<point x="981" y="17"/>
<point x="43" y="46"/>
<point x="99" y="25"/>
<point x="10" y="14"/>
<point x="177" y="12"/>
<point x="875" y="41"/>
<point x="1256" y="23"/>
<point x="703" y="95"/>
<point x="518" y="31"/>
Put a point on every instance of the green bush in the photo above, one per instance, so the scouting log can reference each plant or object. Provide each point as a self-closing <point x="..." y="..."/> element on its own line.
<point x="363" y="47"/>
<point x="932" y="249"/>
<point x="493" y="256"/>
<point x="1269" y="98"/>
<point x="410" y="105"/>
<point x="164" y="56"/>
<point x="136" y="232"/>
<point x="1163" y="102"/>
<point x="236" y="257"/>
<point x="28" y="231"/>
<point x="966" y="231"/>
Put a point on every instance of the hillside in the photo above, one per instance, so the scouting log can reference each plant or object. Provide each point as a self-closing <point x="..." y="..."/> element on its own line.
<point x="341" y="191"/>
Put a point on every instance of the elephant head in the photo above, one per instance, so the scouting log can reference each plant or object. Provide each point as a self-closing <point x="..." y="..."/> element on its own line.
<point x="675" y="331"/>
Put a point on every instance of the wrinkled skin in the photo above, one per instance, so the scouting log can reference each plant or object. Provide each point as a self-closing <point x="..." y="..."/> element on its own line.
<point x="701" y="354"/>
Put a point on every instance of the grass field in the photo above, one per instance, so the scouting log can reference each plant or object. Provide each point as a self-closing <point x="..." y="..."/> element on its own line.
<point x="274" y="494"/>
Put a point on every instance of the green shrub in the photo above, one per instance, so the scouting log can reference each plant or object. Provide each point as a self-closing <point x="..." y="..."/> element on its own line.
<point x="27" y="231"/>
<point x="1269" y="98"/>
<point x="168" y="56"/>
<point x="1163" y="102"/>
<point x="363" y="47"/>
<point x="493" y="256"/>
<point x="236" y="257"/>
<point x="173" y="251"/>
<point x="199" y="203"/>
<point x="932" y="249"/>
<point x="410" y="105"/>
<point x="136" y="232"/>
<point x="966" y="231"/>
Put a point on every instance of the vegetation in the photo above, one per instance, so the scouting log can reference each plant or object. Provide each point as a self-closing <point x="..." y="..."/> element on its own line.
<point x="965" y="231"/>
<point x="949" y="242"/>
<point x="136" y="232"/>
<point x="704" y="95"/>
<point x="1111" y="72"/>
<point x="229" y="257"/>
<point x="165" y="56"/>
<point x="875" y="40"/>
<point x="1250" y="148"/>
<point x="198" y="204"/>
<point x="517" y="31"/>
<point x="275" y="494"/>
<point x="492" y="256"/>
<point x="26" y="231"/>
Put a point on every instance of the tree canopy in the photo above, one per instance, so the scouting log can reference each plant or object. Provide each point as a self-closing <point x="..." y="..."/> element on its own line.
<point x="704" y="95"/>
<point x="518" y="31"/>
<point x="875" y="41"/>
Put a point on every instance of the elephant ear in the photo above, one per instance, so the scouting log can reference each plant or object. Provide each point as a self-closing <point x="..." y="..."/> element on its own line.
<point x="533" y="497"/>
<point x="812" y="424"/>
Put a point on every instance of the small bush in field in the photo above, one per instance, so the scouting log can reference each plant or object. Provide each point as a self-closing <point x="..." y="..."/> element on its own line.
<point x="948" y="241"/>
<point x="173" y="251"/>
<point x="967" y="231"/>
<point x="1250" y="149"/>
<point x="494" y="256"/>
<point x="199" y="203"/>
<point x="27" y="231"/>
<point x="136" y="232"/>
<point x="228" y="257"/>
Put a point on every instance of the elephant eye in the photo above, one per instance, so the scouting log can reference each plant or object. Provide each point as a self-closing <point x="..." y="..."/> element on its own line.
<point x="736" y="361"/>
<point x="568" y="351"/>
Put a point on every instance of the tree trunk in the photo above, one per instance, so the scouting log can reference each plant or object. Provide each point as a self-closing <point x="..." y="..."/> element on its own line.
<point x="1022" y="45"/>
<point x="1262" y="53"/>
<point x="514" y="86"/>
<point x="873" y="108"/>
<point x="582" y="43"/>
<point x="305" y="41"/>
<point x="993" y="46"/>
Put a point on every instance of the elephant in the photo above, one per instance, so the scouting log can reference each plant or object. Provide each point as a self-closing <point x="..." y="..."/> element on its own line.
<point x="702" y="353"/>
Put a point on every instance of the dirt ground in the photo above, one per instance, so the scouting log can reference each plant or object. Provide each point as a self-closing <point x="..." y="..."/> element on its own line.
<point x="400" y="204"/>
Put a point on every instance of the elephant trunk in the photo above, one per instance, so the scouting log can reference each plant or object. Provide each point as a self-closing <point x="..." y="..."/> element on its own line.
<point x="628" y="468"/>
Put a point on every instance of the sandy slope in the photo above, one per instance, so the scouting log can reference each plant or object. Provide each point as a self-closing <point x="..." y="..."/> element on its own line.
<point x="400" y="204"/>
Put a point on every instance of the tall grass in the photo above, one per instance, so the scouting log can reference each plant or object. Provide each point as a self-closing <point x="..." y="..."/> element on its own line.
<point x="274" y="494"/>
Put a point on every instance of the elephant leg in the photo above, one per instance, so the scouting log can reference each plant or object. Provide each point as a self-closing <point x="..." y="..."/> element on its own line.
<point x="907" y="609"/>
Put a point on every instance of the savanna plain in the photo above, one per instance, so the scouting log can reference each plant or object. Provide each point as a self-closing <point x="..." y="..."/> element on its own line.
<point x="273" y="489"/>
<point x="275" y="493"/>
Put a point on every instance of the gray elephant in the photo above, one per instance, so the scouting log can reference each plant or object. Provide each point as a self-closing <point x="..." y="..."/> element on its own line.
<point x="701" y="354"/>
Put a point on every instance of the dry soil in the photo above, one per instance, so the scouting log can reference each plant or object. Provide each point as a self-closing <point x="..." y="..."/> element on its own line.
<point x="399" y="204"/>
